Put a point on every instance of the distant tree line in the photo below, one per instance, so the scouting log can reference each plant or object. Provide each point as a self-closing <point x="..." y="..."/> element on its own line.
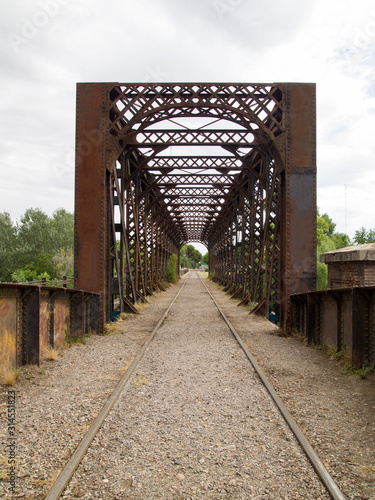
<point x="37" y="246"/>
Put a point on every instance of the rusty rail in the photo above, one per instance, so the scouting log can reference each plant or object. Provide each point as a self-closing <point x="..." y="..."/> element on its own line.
<point x="33" y="317"/>
<point x="311" y="454"/>
<point x="342" y="318"/>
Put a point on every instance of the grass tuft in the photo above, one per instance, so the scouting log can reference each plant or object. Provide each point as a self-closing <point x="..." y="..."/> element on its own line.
<point x="361" y="373"/>
<point x="110" y="329"/>
<point x="69" y="341"/>
<point x="50" y="353"/>
<point x="140" y="380"/>
<point x="9" y="376"/>
<point x="343" y="360"/>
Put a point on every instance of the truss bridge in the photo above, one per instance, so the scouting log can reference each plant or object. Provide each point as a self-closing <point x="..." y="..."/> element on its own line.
<point x="230" y="165"/>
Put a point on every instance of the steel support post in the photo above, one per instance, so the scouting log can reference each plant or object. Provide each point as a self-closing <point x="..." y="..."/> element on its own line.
<point x="91" y="193"/>
<point x="298" y="186"/>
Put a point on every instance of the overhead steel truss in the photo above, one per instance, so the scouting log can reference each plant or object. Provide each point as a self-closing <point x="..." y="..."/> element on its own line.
<point x="230" y="165"/>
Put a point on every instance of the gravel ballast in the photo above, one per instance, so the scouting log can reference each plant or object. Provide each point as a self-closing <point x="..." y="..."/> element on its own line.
<point x="194" y="421"/>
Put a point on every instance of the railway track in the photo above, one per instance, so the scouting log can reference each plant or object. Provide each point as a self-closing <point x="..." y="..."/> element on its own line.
<point x="66" y="474"/>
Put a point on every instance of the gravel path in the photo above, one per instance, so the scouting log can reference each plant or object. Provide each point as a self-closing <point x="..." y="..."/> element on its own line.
<point x="194" y="422"/>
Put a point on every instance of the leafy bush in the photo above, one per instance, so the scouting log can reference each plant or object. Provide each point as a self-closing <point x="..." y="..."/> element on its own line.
<point x="172" y="268"/>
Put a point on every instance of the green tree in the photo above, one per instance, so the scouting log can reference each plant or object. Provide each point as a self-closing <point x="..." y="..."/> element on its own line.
<point x="38" y="246"/>
<point x="325" y="227"/>
<point x="205" y="258"/>
<point x="194" y="256"/>
<point x="190" y="256"/>
<point x="34" y="236"/>
<point x="63" y="262"/>
<point x="8" y="247"/>
<point x="363" y="236"/>
<point x="327" y="241"/>
<point x="341" y="240"/>
<point x="62" y="230"/>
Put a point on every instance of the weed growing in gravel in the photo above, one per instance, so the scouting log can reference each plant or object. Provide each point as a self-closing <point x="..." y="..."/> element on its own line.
<point x="333" y="353"/>
<point x="50" y="353"/>
<point x="361" y="373"/>
<point x="110" y="329"/>
<point x="140" y="380"/>
<point x="69" y="341"/>
<point x="343" y="360"/>
<point x="9" y="376"/>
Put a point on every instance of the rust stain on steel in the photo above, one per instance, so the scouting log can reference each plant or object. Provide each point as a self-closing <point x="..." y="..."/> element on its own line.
<point x="44" y="317"/>
<point x="299" y="192"/>
<point x="90" y="209"/>
<point x="33" y="317"/>
<point x="8" y="332"/>
<point x="301" y="125"/>
<point x="61" y="320"/>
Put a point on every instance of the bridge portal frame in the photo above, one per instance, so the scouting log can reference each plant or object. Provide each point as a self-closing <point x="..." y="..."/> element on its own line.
<point x="100" y="161"/>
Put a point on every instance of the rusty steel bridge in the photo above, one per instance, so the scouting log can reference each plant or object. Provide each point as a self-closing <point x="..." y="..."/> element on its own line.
<point x="230" y="165"/>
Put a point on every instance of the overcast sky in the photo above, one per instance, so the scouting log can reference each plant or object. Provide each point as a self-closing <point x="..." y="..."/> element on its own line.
<point x="49" y="45"/>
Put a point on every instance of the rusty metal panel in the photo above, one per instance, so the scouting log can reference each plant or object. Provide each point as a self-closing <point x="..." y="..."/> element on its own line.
<point x="31" y="343"/>
<point x="344" y="317"/>
<point x="302" y="236"/>
<point x="77" y="315"/>
<point x="93" y="313"/>
<point x="347" y="319"/>
<point x="360" y="305"/>
<point x="8" y="332"/>
<point x="313" y="306"/>
<point x="44" y="317"/>
<point x="61" y="319"/>
<point x="33" y="317"/>
<point x="329" y="322"/>
<point x="301" y="125"/>
<point x="371" y="329"/>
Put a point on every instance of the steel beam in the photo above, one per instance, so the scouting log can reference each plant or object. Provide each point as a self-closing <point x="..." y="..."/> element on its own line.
<point x="298" y="216"/>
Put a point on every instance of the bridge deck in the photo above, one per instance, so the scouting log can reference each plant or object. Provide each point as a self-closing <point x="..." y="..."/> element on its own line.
<point x="195" y="422"/>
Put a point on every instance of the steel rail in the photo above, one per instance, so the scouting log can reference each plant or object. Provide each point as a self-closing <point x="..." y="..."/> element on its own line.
<point x="311" y="454"/>
<point x="66" y="474"/>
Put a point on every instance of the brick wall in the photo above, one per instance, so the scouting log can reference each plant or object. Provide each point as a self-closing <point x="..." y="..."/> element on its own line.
<point x="345" y="274"/>
<point x="369" y="274"/>
<point x="349" y="274"/>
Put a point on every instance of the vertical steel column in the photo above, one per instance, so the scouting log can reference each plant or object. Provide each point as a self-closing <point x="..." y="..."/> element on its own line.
<point x="298" y="186"/>
<point x="90" y="253"/>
